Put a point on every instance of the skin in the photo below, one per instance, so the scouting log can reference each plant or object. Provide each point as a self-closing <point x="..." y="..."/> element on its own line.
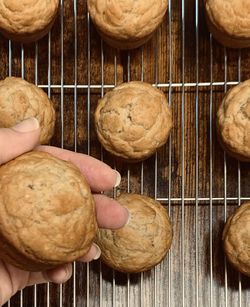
<point x="17" y="140"/>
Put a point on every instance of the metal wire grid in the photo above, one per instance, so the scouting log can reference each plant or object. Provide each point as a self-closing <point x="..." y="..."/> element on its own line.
<point x="211" y="200"/>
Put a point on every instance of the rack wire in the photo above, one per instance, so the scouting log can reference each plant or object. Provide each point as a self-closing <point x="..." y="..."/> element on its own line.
<point x="195" y="272"/>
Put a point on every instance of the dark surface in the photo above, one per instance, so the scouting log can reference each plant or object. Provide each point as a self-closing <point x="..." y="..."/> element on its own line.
<point x="195" y="271"/>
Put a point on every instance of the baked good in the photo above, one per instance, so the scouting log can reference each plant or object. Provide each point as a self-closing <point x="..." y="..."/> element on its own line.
<point x="126" y="24"/>
<point x="26" y="21"/>
<point x="20" y="100"/>
<point x="236" y="239"/>
<point x="229" y="22"/>
<point x="233" y="122"/>
<point x="133" y="120"/>
<point x="143" y="242"/>
<point x="47" y="212"/>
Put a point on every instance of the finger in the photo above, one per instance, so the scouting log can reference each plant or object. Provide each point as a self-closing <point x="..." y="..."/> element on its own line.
<point x="93" y="254"/>
<point x="109" y="213"/>
<point x="8" y="285"/>
<point x="58" y="275"/>
<point x="99" y="175"/>
<point x="14" y="279"/>
<point x="19" y="139"/>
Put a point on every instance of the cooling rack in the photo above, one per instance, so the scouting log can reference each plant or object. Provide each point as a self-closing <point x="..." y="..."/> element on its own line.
<point x="197" y="182"/>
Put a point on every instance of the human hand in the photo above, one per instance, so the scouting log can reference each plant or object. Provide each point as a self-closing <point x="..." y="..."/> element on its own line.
<point x="24" y="137"/>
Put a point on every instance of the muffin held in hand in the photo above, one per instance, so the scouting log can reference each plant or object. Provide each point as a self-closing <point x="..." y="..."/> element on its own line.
<point x="143" y="242"/>
<point x="127" y="24"/>
<point x="233" y="122"/>
<point x="47" y="212"/>
<point x="133" y="120"/>
<point x="236" y="239"/>
<point x="20" y="100"/>
<point x="26" y="21"/>
<point x="229" y="22"/>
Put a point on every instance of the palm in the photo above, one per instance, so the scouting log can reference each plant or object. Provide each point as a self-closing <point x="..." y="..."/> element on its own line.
<point x="13" y="279"/>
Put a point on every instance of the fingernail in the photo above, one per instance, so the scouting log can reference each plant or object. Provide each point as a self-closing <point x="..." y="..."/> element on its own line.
<point x="98" y="252"/>
<point x="68" y="271"/>
<point x="118" y="179"/>
<point x="65" y="273"/>
<point x="59" y="275"/>
<point x="27" y="125"/>
<point x="128" y="216"/>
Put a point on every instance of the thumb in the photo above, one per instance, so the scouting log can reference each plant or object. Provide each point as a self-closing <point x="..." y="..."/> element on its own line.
<point x="19" y="139"/>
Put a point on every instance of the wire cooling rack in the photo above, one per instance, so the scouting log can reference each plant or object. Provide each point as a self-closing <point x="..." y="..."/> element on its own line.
<point x="196" y="181"/>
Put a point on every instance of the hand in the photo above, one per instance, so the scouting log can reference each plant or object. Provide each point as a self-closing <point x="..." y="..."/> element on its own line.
<point x="24" y="137"/>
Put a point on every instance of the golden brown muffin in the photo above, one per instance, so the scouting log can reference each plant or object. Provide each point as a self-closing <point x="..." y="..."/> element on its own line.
<point x="143" y="242"/>
<point x="47" y="213"/>
<point x="127" y="24"/>
<point x="26" y="21"/>
<point x="228" y="21"/>
<point x="236" y="239"/>
<point x="233" y="122"/>
<point x="20" y="100"/>
<point x="133" y="120"/>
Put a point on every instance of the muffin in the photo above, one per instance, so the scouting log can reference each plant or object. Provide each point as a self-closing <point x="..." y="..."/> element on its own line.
<point x="133" y="120"/>
<point x="229" y="22"/>
<point x="233" y="122"/>
<point x="20" y="100"/>
<point x="47" y="212"/>
<point x="26" y="21"/>
<point x="127" y="24"/>
<point x="236" y="239"/>
<point x="143" y="242"/>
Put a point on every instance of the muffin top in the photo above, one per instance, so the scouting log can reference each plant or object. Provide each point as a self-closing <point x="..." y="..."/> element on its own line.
<point x="47" y="213"/>
<point x="127" y="20"/>
<point x="230" y="16"/>
<point x="233" y="121"/>
<point x="133" y="120"/>
<point x="236" y="237"/>
<point x="20" y="100"/>
<point x="21" y="19"/>
<point x="143" y="242"/>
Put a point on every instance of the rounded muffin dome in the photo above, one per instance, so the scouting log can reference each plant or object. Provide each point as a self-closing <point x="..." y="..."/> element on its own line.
<point x="47" y="212"/>
<point x="26" y="21"/>
<point x="133" y="120"/>
<point x="20" y="100"/>
<point x="143" y="242"/>
<point x="233" y="122"/>
<point x="228" y="21"/>
<point x="236" y="239"/>
<point x="127" y="24"/>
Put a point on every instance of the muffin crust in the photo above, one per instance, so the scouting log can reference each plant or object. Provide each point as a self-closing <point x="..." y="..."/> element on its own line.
<point x="236" y="239"/>
<point x="20" y="100"/>
<point x="26" y="21"/>
<point x="233" y="122"/>
<point x="127" y="24"/>
<point x="143" y="242"/>
<point x="228" y="21"/>
<point x="133" y="120"/>
<point x="47" y="212"/>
